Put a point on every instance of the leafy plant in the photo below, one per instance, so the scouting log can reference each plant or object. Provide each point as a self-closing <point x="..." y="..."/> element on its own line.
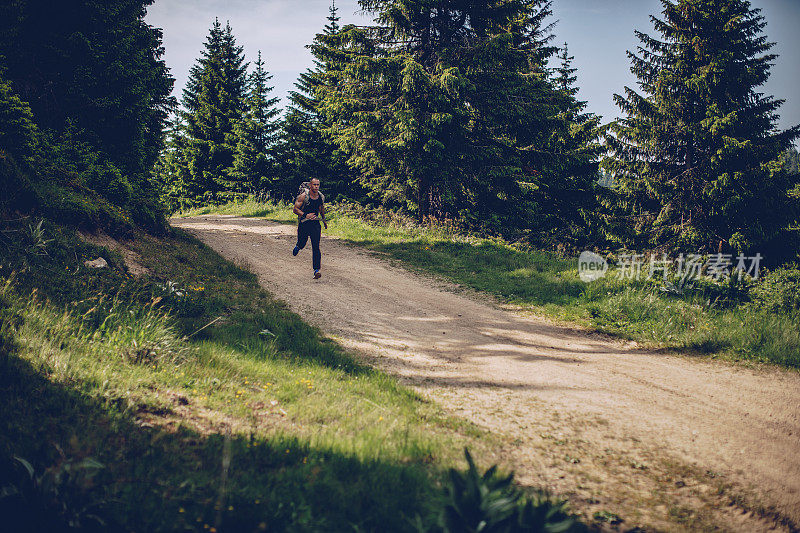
<point x="36" y="235"/>
<point x="56" y="499"/>
<point x="779" y="290"/>
<point x="490" y="503"/>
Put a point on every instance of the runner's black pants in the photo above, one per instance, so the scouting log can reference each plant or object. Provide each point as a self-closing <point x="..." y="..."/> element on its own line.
<point x="312" y="229"/>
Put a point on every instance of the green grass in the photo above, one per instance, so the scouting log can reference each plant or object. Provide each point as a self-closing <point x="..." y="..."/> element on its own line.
<point x="165" y="380"/>
<point x="713" y="320"/>
<point x="246" y="208"/>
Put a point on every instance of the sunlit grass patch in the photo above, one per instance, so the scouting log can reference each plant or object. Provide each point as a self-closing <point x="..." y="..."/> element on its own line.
<point x="248" y="207"/>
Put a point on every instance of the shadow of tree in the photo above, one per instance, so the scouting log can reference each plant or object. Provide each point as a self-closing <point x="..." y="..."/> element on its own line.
<point x="158" y="479"/>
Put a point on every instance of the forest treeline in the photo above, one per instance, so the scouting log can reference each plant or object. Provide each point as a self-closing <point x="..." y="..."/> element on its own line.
<point x="84" y="93"/>
<point x="445" y="110"/>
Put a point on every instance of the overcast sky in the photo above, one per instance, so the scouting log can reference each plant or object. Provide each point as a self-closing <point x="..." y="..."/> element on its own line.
<point x="598" y="32"/>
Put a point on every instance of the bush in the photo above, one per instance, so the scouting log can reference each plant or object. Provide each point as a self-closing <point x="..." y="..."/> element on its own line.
<point x="779" y="291"/>
<point x="59" y="498"/>
<point x="490" y="503"/>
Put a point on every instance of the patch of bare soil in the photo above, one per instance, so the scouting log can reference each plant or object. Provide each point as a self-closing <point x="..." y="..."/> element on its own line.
<point x="657" y="441"/>
<point x="130" y="257"/>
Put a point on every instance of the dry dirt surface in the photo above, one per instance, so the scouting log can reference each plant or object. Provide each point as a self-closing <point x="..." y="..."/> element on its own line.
<point x="636" y="439"/>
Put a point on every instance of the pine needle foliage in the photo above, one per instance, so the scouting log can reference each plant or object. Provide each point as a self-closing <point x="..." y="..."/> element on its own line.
<point x="444" y="107"/>
<point x="696" y="153"/>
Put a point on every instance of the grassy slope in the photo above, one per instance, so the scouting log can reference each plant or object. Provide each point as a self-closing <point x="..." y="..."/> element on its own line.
<point x="709" y="321"/>
<point x="103" y="368"/>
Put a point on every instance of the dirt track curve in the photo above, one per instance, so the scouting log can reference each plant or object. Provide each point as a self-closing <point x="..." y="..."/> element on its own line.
<point x="665" y="442"/>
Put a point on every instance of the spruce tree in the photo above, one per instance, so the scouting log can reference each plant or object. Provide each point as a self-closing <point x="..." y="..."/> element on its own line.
<point x="565" y="185"/>
<point x="565" y="73"/>
<point x="439" y="105"/>
<point x="213" y="102"/>
<point x="695" y="154"/>
<point x="97" y="69"/>
<point x="171" y="172"/>
<point x="307" y="149"/>
<point x="253" y="163"/>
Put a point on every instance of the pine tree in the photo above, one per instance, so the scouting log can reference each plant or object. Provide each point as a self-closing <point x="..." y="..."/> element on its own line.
<point x="565" y="73"/>
<point x="439" y="105"/>
<point x="253" y="164"/>
<point x="307" y="150"/>
<point x="565" y="184"/>
<point x="213" y="102"/>
<point x="695" y="154"/>
<point x="171" y="171"/>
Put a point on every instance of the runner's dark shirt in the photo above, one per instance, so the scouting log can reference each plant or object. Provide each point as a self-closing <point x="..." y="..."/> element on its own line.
<point x="312" y="206"/>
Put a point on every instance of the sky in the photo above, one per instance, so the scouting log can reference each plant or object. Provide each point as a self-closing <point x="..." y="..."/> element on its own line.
<point x="598" y="33"/>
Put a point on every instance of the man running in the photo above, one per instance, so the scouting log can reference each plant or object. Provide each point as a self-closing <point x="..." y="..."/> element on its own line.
<point x="310" y="209"/>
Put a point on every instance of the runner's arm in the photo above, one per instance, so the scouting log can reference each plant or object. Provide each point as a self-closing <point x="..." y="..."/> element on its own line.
<point x="298" y="206"/>
<point x="322" y="215"/>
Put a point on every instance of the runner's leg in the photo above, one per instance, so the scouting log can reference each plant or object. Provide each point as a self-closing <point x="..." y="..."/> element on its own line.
<point x="315" y="231"/>
<point x="302" y="234"/>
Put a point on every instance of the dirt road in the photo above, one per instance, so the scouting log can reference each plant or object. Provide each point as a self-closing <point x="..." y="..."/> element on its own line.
<point x="663" y="442"/>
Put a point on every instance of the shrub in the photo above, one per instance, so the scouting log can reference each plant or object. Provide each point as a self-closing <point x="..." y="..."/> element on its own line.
<point x="779" y="290"/>
<point x="59" y="498"/>
<point x="491" y="503"/>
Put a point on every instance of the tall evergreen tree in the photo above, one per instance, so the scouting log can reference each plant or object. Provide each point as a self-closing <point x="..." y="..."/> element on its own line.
<point x="253" y="163"/>
<point x="439" y="106"/>
<point x="566" y="181"/>
<point x="565" y="73"/>
<point x="695" y="154"/>
<point x="307" y="150"/>
<point x="171" y="172"/>
<point x="213" y="102"/>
